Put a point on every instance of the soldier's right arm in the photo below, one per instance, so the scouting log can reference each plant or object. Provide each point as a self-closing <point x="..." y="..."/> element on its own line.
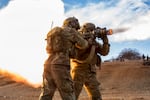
<point x="80" y="42"/>
<point x="104" y="48"/>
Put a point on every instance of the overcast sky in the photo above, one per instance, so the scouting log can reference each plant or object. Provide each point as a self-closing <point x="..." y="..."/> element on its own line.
<point x="25" y="23"/>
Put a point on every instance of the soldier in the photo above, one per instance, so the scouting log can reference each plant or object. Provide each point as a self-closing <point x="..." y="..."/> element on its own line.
<point x="60" y="41"/>
<point x="143" y="57"/>
<point x="147" y="58"/>
<point x="83" y="70"/>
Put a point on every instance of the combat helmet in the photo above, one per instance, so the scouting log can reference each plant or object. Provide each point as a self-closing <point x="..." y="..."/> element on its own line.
<point x="87" y="27"/>
<point x="87" y="30"/>
<point x="71" y="22"/>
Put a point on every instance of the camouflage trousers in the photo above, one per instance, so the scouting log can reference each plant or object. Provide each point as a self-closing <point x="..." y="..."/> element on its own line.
<point x="57" y="76"/>
<point x="87" y="78"/>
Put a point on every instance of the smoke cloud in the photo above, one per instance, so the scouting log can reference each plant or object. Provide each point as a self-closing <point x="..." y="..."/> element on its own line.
<point x="120" y="30"/>
<point x="24" y="25"/>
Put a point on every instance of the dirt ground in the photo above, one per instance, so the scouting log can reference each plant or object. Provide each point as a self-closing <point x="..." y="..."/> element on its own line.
<point x="128" y="80"/>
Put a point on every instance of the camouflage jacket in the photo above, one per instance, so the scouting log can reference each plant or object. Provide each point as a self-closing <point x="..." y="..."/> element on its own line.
<point x="89" y="55"/>
<point x="60" y="41"/>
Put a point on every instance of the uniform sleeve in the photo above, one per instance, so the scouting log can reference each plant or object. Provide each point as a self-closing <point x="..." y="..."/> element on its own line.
<point x="80" y="42"/>
<point x="104" y="48"/>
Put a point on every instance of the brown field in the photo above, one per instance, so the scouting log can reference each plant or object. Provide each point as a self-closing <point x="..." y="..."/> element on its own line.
<point x="128" y="80"/>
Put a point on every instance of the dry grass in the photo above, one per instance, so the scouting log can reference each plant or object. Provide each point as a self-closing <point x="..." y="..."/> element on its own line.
<point x="119" y="81"/>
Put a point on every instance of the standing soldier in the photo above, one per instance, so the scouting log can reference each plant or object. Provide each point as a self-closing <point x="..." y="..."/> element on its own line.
<point x="147" y="57"/>
<point x="60" y="41"/>
<point x="143" y="57"/>
<point x="83" y="65"/>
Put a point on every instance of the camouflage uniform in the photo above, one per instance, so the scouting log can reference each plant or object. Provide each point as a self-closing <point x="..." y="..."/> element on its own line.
<point x="84" y="71"/>
<point x="60" y="41"/>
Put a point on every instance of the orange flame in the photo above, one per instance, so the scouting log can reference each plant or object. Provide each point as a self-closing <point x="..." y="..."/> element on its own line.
<point x="110" y="32"/>
<point x="17" y="78"/>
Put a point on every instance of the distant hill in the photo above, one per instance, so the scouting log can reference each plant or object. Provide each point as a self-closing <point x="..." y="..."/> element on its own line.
<point x="125" y="78"/>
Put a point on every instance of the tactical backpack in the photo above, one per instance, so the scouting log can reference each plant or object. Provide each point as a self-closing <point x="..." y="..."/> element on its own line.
<point x="55" y="40"/>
